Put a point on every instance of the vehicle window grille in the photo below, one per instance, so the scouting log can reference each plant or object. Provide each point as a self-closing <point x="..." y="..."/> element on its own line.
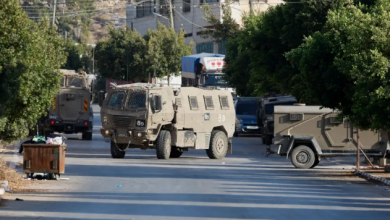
<point x="208" y="100"/>
<point x="193" y="102"/>
<point x="121" y="121"/>
<point x="137" y="100"/>
<point x="178" y="101"/>
<point x="224" y="102"/>
<point x="296" y="116"/>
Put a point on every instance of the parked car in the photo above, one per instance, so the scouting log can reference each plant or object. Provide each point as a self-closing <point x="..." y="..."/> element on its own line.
<point x="246" y="121"/>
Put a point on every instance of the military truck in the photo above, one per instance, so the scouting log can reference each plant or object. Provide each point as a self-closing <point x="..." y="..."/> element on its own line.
<point x="265" y="112"/>
<point x="306" y="134"/>
<point x="170" y="121"/>
<point x="71" y="110"/>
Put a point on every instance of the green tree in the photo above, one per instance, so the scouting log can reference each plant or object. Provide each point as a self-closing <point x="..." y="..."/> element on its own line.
<point x="79" y="56"/>
<point x="347" y="64"/>
<point x="221" y="29"/>
<point x="30" y="55"/>
<point x="165" y="50"/>
<point x="123" y="56"/>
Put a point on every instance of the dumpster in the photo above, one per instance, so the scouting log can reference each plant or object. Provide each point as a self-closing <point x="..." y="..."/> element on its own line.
<point x="44" y="158"/>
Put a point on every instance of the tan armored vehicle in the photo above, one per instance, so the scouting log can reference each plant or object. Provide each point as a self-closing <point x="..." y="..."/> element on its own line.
<point x="307" y="133"/>
<point x="145" y="116"/>
<point x="265" y="113"/>
<point x="71" y="111"/>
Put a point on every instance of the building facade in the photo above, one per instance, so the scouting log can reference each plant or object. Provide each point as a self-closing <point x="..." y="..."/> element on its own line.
<point x="188" y="16"/>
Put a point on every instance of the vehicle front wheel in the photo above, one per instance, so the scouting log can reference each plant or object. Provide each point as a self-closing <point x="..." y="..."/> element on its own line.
<point x="163" y="146"/>
<point x="117" y="150"/>
<point x="303" y="157"/>
<point x="218" y="145"/>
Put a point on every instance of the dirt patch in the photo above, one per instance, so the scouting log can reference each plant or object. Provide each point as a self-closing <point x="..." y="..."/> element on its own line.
<point x="14" y="179"/>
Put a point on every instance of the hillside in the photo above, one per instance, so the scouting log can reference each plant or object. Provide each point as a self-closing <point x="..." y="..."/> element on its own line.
<point x="85" y="21"/>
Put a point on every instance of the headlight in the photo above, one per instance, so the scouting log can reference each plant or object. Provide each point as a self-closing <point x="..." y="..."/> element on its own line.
<point x="238" y="120"/>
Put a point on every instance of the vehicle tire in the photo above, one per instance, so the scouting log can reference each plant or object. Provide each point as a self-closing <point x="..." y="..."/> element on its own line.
<point x="163" y="146"/>
<point x="87" y="135"/>
<point x="316" y="162"/>
<point x="268" y="139"/>
<point x="175" y="153"/>
<point x="263" y="137"/>
<point x="235" y="134"/>
<point x="218" y="145"/>
<point x="303" y="157"/>
<point x="117" y="151"/>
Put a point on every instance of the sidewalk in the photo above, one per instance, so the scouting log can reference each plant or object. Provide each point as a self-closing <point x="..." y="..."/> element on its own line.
<point x="10" y="168"/>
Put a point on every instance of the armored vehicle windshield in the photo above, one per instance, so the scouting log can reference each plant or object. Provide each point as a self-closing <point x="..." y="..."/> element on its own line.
<point x="116" y="99"/>
<point x="130" y="100"/>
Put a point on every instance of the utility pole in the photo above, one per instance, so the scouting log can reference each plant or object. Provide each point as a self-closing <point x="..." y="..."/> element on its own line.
<point x="54" y="11"/>
<point x="93" y="62"/>
<point x="171" y="13"/>
<point x="358" y="151"/>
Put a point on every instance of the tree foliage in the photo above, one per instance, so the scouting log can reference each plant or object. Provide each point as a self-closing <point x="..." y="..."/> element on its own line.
<point x="79" y="56"/>
<point x="127" y="52"/>
<point x="30" y="55"/>
<point x="165" y="50"/>
<point x="271" y="35"/>
<point x="123" y="56"/>
<point x="347" y="64"/>
<point x="221" y="29"/>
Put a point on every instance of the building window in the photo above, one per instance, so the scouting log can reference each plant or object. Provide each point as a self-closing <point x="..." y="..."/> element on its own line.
<point x="188" y="35"/>
<point x="144" y="9"/>
<point x="208" y="1"/>
<point x="186" y="5"/>
<point x="164" y="8"/>
<point x="222" y="47"/>
<point x="205" y="47"/>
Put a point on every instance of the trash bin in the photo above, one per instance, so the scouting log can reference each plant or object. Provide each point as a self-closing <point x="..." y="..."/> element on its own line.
<point x="44" y="158"/>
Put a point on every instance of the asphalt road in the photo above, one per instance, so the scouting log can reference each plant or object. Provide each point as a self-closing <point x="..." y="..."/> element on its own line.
<point x="245" y="185"/>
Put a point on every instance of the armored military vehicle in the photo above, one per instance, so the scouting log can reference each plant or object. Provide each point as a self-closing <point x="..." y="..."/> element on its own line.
<point x="265" y="112"/>
<point x="170" y="121"/>
<point x="306" y="134"/>
<point x="71" y="111"/>
<point x="246" y="122"/>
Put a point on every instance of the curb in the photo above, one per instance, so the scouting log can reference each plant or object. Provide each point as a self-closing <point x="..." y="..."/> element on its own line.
<point x="367" y="175"/>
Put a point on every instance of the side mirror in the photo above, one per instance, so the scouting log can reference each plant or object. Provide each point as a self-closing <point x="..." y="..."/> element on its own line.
<point x="157" y="103"/>
<point x="101" y="97"/>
